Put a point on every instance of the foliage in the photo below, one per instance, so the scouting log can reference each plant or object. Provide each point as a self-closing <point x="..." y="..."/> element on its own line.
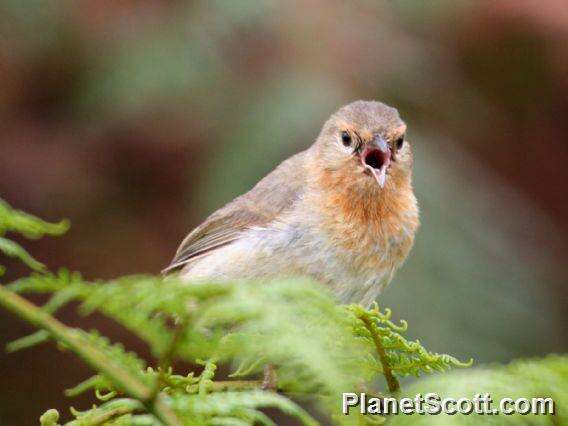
<point x="30" y="227"/>
<point x="319" y="349"/>
<point x="532" y="378"/>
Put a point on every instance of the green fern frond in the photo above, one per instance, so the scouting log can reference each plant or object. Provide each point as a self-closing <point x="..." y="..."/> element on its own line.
<point x="128" y="361"/>
<point x="238" y="405"/>
<point x="293" y="324"/>
<point x="49" y="418"/>
<point x="29" y="226"/>
<point x="94" y="383"/>
<point x="12" y="220"/>
<point x="106" y="413"/>
<point x="402" y="357"/>
<point x="12" y="249"/>
<point x="47" y="282"/>
<point x="531" y="378"/>
<point x="248" y="366"/>
<point x="34" y="339"/>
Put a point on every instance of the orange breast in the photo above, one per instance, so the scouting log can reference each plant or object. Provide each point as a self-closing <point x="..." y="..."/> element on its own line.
<point x="375" y="227"/>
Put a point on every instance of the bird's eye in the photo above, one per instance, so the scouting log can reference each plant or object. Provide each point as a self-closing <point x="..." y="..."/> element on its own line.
<point x="346" y="138"/>
<point x="399" y="142"/>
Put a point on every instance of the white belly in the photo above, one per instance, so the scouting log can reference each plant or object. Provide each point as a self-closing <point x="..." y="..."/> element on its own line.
<point x="287" y="251"/>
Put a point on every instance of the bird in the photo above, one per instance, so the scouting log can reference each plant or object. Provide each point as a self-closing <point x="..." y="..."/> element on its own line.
<point x="342" y="212"/>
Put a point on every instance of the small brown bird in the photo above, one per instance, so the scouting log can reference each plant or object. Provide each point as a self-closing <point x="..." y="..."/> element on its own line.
<point x="343" y="212"/>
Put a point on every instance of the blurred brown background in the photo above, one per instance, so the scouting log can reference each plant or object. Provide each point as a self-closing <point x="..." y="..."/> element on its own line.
<point x="136" y="119"/>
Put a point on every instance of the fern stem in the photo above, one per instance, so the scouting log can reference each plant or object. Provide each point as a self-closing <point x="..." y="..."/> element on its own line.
<point x="228" y="385"/>
<point x="166" y="358"/>
<point x="392" y="382"/>
<point x="89" y="354"/>
<point x="108" y="415"/>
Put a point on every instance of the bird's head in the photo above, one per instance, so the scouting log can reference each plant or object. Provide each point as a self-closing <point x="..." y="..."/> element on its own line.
<point x="363" y="144"/>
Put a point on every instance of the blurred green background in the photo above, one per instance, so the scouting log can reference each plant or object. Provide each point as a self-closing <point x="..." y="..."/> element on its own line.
<point x="137" y="119"/>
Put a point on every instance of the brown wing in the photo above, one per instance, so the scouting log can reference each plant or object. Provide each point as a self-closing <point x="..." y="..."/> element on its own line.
<point x="273" y="194"/>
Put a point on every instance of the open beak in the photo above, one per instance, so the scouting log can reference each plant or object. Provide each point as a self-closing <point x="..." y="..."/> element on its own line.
<point x="376" y="158"/>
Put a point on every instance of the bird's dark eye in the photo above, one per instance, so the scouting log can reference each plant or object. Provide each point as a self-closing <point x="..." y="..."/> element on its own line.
<point x="399" y="142"/>
<point x="346" y="138"/>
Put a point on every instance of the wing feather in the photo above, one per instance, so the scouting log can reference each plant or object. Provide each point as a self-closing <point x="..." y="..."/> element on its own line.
<point x="274" y="194"/>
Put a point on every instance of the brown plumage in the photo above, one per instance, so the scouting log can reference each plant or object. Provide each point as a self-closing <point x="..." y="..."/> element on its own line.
<point x="342" y="212"/>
